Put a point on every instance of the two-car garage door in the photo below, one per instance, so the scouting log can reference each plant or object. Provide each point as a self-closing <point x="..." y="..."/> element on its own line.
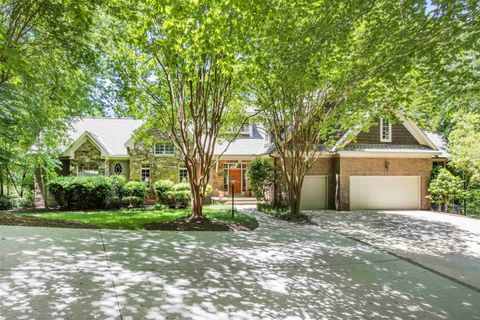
<point x="384" y="192"/>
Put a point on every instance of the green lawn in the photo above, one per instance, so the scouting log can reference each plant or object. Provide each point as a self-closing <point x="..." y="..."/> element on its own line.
<point x="136" y="218"/>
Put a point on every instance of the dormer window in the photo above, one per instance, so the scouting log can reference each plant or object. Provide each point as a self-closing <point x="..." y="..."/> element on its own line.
<point x="164" y="148"/>
<point x="385" y="130"/>
<point x="247" y="130"/>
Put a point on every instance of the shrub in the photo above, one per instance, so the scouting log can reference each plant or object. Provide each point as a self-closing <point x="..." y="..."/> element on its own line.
<point x="262" y="177"/>
<point x="445" y="188"/>
<point x="22" y="203"/>
<point x="134" y="193"/>
<point x="162" y="187"/>
<point x="5" y="203"/>
<point x="115" y="198"/>
<point x="81" y="192"/>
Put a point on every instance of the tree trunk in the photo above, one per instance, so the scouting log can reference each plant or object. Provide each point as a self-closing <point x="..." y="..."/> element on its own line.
<point x="197" y="202"/>
<point x="1" y="182"/>
<point x="295" y="197"/>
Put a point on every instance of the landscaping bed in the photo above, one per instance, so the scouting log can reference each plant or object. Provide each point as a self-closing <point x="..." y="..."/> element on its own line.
<point x="218" y="219"/>
<point x="284" y="214"/>
<point x="32" y="221"/>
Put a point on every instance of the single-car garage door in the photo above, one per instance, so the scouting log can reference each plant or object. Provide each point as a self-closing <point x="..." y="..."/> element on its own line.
<point x="314" y="193"/>
<point x="384" y="192"/>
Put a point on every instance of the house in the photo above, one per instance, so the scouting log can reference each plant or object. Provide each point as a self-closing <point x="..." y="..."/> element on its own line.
<point x="385" y="167"/>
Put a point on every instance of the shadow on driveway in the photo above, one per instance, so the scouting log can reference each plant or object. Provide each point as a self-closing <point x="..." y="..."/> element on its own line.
<point x="445" y="243"/>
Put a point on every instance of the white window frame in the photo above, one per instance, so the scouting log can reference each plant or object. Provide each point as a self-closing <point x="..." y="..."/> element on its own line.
<point x="389" y="138"/>
<point x="163" y="152"/>
<point x="180" y="176"/>
<point x="88" y="170"/>
<point x="146" y="167"/>
<point x="247" y="130"/>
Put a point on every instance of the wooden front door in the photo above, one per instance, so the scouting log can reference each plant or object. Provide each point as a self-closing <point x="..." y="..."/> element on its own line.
<point x="237" y="174"/>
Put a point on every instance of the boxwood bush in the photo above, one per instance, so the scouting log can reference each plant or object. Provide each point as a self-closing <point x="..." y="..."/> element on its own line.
<point x="134" y="193"/>
<point x="175" y="195"/>
<point x="81" y="192"/>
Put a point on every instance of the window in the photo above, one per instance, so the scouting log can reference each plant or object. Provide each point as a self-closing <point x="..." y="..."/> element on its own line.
<point x="246" y="130"/>
<point x="164" y="148"/>
<point x="385" y="130"/>
<point x="182" y="175"/>
<point x="88" y="169"/>
<point x="117" y="168"/>
<point x="145" y="174"/>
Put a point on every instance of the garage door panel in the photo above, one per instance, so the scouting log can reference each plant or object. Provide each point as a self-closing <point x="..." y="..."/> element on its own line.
<point x="314" y="193"/>
<point x="384" y="192"/>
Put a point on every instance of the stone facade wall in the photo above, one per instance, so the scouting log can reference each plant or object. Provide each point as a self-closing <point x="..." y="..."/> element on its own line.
<point x="87" y="154"/>
<point x="125" y="167"/>
<point x="161" y="166"/>
<point x="376" y="167"/>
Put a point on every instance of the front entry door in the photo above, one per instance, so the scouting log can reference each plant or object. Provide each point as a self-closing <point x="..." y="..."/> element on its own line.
<point x="237" y="174"/>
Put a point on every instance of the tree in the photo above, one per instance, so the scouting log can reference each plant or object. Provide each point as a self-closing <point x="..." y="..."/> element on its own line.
<point x="324" y="67"/>
<point x="445" y="188"/>
<point x="465" y="149"/>
<point x="46" y="76"/>
<point x="182" y="69"/>
<point x="262" y="177"/>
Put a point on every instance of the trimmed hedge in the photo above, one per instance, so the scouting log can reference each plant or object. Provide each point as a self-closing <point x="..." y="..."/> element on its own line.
<point x="176" y="195"/>
<point x="81" y="192"/>
<point x="134" y="193"/>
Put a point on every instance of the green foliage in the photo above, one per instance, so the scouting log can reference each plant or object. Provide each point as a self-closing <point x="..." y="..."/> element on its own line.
<point x="445" y="188"/>
<point x="134" y="193"/>
<point x="115" y="199"/>
<point x="280" y="212"/>
<point x="262" y="177"/>
<point x="81" y="192"/>
<point x="22" y="203"/>
<point x="176" y="195"/>
<point x="162" y="187"/>
<point x="135" y="219"/>
<point x="5" y="203"/>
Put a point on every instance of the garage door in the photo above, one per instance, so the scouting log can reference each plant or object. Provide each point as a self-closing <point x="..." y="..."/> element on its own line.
<point x="314" y="193"/>
<point x="380" y="192"/>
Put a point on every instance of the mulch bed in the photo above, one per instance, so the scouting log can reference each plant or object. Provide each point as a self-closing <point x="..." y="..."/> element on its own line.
<point x="28" y="221"/>
<point x="189" y="224"/>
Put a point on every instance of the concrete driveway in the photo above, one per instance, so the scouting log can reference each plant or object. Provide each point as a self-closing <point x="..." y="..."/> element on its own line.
<point x="280" y="271"/>
<point x="444" y="243"/>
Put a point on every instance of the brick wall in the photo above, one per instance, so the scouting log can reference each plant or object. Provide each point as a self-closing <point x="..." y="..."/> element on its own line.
<point x="376" y="167"/>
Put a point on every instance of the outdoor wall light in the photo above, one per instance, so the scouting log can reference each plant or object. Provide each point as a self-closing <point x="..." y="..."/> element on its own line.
<point x="387" y="165"/>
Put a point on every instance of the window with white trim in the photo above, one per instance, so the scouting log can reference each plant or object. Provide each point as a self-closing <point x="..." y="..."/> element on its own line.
<point x="246" y="130"/>
<point x="385" y="130"/>
<point x="145" y="174"/>
<point x="182" y="174"/>
<point x="88" y="169"/>
<point x="163" y="148"/>
<point x="118" y="168"/>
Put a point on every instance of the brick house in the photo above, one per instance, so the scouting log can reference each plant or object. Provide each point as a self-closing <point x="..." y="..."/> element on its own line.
<point x="387" y="167"/>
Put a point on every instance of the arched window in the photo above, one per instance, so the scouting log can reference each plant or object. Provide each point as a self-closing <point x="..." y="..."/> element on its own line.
<point x="117" y="168"/>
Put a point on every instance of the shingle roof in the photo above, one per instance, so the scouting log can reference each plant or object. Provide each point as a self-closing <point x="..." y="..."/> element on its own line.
<point x="113" y="133"/>
<point x="440" y="142"/>
<point x="245" y="146"/>
<point x="385" y="147"/>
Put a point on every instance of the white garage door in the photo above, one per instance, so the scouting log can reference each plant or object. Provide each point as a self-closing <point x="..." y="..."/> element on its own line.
<point x="314" y="193"/>
<point x="380" y="192"/>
